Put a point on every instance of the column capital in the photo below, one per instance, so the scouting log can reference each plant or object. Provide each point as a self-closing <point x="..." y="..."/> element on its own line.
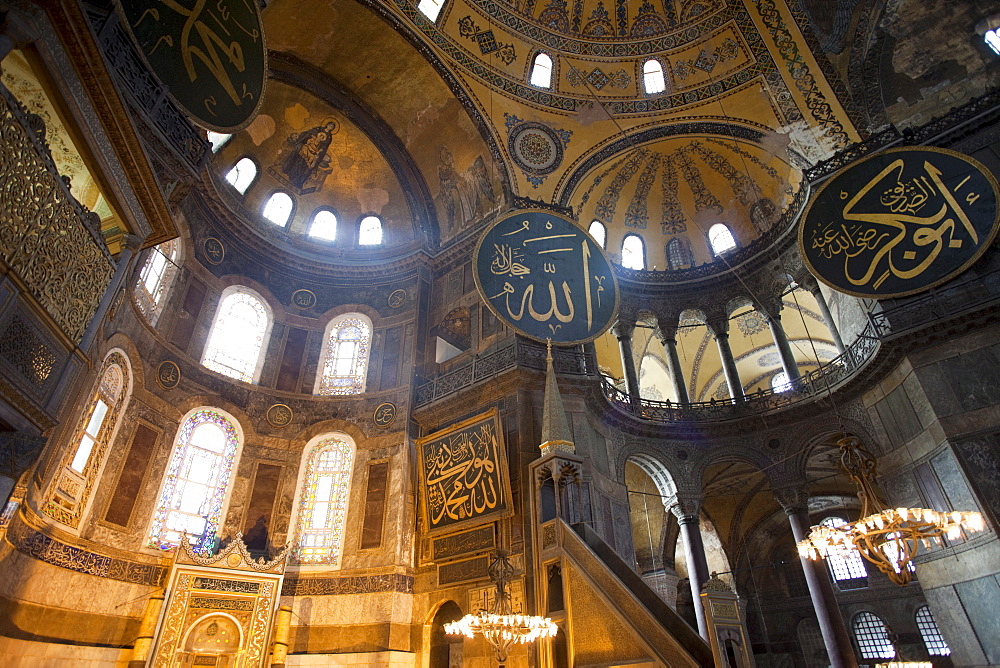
<point x="685" y="507"/>
<point x="622" y="328"/>
<point x="718" y="325"/>
<point x="793" y="498"/>
<point x="769" y="307"/>
<point x="665" y="331"/>
<point x="808" y="281"/>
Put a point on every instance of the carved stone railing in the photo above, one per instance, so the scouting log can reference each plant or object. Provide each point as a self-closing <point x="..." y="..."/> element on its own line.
<point x="47" y="238"/>
<point x="515" y="353"/>
<point x="818" y="382"/>
<point x="146" y="93"/>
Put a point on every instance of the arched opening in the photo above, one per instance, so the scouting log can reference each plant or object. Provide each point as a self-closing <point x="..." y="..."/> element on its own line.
<point x="652" y="77"/>
<point x="721" y="239"/>
<point x="445" y="650"/>
<point x="541" y="71"/>
<point x="242" y="175"/>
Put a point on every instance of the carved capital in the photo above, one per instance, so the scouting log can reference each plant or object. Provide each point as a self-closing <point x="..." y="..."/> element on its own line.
<point x="623" y="328"/>
<point x="769" y="307"/>
<point x="792" y="498"/>
<point x="685" y="507"/>
<point x="808" y="281"/>
<point x="718" y="325"/>
<point x="666" y="330"/>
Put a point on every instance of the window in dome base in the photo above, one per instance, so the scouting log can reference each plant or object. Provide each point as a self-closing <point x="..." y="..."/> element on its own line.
<point x="278" y="208"/>
<point x="430" y="8"/>
<point x="242" y="175"/>
<point x="324" y="225"/>
<point x="721" y="239"/>
<point x="541" y="71"/>
<point x="599" y="233"/>
<point x="370" y="231"/>
<point x="633" y="252"/>
<point x="652" y="77"/>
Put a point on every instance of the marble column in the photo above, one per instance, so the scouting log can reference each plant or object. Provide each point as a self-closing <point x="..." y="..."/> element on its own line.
<point x="622" y="330"/>
<point x="794" y="500"/>
<point x="720" y="330"/>
<point x="147" y="628"/>
<point x="686" y="510"/>
<point x="772" y="314"/>
<point x="282" y="633"/>
<point x="668" y="336"/>
<point x="812" y="285"/>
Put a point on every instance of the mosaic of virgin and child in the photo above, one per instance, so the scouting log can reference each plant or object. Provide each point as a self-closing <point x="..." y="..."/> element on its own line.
<point x="304" y="161"/>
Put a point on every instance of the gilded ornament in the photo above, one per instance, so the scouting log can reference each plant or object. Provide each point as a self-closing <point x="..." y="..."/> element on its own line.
<point x="279" y="415"/>
<point x="303" y="299"/>
<point x="168" y="375"/>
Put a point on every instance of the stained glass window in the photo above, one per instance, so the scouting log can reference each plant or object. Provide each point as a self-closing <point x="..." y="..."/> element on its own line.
<point x="850" y="571"/>
<point x="872" y="637"/>
<point x="721" y="238"/>
<point x="541" y="71"/>
<point x="108" y="393"/>
<point x="652" y="76"/>
<point x="242" y="174"/>
<point x="599" y="233"/>
<point x="196" y="482"/>
<point x="155" y="279"/>
<point x="345" y="356"/>
<point x="633" y="252"/>
<point x="237" y="337"/>
<point x="929" y="631"/>
<point x="370" y="231"/>
<point x="326" y="488"/>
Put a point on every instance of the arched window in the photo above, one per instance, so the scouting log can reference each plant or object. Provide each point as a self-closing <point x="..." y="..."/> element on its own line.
<point x="155" y="279"/>
<point x="242" y="174"/>
<point x="872" y="637"/>
<point x="430" y="8"/>
<point x="721" y="239"/>
<point x="278" y="208"/>
<point x="236" y="341"/>
<point x="929" y="631"/>
<point x="197" y="479"/>
<point x="780" y="382"/>
<point x="218" y="140"/>
<point x="652" y="77"/>
<point x="370" y="231"/>
<point x="91" y="441"/>
<point x="344" y="360"/>
<point x="849" y="572"/>
<point x="324" y="225"/>
<point x="633" y="252"/>
<point x="993" y="40"/>
<point x="678" y="254"/>
<point x="599" y="233"/>
<point x="541" y="71"/>
<point x="322" y="508"/>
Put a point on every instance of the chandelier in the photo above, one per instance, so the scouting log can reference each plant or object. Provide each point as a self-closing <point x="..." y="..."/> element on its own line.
<point x="500" y="626"/>
<point x="886" y="537"/>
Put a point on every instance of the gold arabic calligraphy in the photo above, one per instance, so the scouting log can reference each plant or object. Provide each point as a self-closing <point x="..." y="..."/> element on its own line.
<point x="462" y="475"/>
<point x="207" y="37"/>
<point x="564" y="248"/>
<point x="911" y="223"/>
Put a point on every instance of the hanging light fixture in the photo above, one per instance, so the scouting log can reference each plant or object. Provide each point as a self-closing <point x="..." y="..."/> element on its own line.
<point x="887" y="537"/>
<point x="500" y="626"/>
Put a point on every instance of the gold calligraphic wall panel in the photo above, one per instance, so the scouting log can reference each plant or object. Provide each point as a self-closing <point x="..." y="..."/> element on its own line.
<point x="464" y="478"/>
<point x="900" y="222"/>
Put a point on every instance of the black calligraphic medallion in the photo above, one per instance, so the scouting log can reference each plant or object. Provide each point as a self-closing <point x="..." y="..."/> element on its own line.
<point x="304" y="299"/>
<point x="384" y="415"/>
<point x="546" y="278"/>
<point x="215" y="252"/>
<point x="463" y="475"/>
<point x="168" y="375"/>
<point x="279" y="415"/>
<point x="210" y="55"/>
<point x="900" y="222"/>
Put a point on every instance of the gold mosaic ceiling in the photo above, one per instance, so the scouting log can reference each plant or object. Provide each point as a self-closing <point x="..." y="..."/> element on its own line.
<point x="741" y="84"/>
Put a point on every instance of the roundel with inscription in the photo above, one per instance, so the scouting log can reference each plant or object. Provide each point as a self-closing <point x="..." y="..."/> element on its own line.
<point x="209" y="55"/>
<point x="546" y="278"/>
<point x="900" y="222"/>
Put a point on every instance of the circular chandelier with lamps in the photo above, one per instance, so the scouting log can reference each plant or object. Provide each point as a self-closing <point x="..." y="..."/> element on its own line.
<point x="500" y="626"/>
<point x="886" y="537"/>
